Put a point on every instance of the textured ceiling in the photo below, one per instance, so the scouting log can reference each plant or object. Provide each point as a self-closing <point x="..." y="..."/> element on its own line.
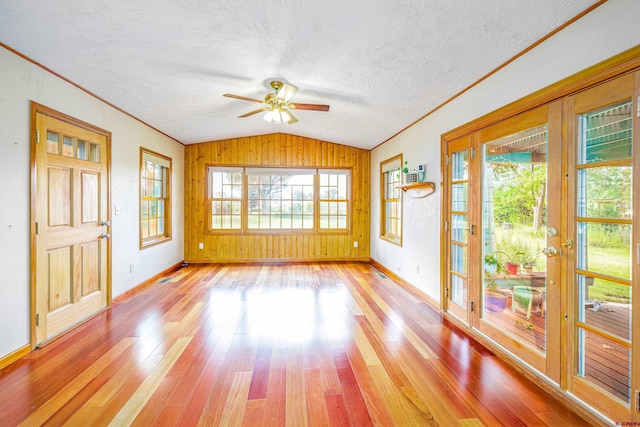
<point x="380" y="65"/>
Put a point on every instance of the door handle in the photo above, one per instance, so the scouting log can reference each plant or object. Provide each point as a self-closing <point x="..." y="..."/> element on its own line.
<point x="105" y="236"/>
<point x="550" y="251"/>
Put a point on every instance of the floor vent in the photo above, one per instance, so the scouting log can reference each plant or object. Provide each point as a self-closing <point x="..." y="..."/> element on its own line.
<point x="382" y="276"/>
<point x="165" y="280"/>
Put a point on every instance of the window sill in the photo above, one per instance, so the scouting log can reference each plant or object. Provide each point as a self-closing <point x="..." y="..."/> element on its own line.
<point x="154" y="241"/>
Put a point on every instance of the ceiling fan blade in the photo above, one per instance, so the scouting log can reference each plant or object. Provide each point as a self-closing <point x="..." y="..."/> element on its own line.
<point x="292" y="118"/>
<point x="316" y="107"/>
<point x="244" y="98"/>
<point x="251" y="113"/>
<point x="286" y="92"/>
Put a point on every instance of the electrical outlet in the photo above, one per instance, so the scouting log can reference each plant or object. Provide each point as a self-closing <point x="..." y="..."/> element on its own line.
<point x="131" y="268"/>
<point x="417" y="268"/>
<point x="200" y="245"/>
<point x="355" y="244"/>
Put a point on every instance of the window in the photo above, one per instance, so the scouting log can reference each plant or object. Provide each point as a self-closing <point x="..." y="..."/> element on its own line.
<point x="264" y="199"/>
<point x="334" y="199"/>
<point x="155" y="201"/>
<point x="225" y="198"/>
<point x="280" y="199"/>
<point x="391" y="209"/>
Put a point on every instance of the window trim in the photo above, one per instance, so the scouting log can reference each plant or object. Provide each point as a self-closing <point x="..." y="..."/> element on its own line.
<point x="315" y="171"/>
<point x="385" y="167"/>
<point x="165" y="162"/>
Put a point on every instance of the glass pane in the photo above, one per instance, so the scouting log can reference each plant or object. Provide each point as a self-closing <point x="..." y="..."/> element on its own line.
<point x="82" y="150"/>
<point x="459" y="228"/>
<point x="342" y="222"/>
<point x="605" y="192"/>
<point x="605" y="363"/>
<point x="459" y="197"/>
<point x="514" y="213"/>
<point x="67" y="146"/>
<point x="94" y="153"/>
<point x="606" y="305"/>
<point x="459" y="259"/>
<point x="459" y="166"/>
<point x="605" y="248"/>
<point x="145" y="228"/>
<point x="216" y="222"/>
<point x="459" y="290"/>
<point x="235" y="222"/>
<point x="52" y="143"/>
<point x="605" y="134"/>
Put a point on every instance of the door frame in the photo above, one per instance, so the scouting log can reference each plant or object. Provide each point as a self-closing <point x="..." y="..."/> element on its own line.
<point x="36" y="109"/>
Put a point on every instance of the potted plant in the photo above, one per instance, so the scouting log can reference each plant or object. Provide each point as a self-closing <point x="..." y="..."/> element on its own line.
<point x="494" y="300"/>
<point x="530" y="257"/>
<point x="492" y="264"/>
<point x="512" y="264"/>
<point x="527" y="298"/>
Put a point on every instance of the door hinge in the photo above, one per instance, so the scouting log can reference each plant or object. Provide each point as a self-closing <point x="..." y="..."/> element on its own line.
<point x="566" y="317"/>
<point x="446" y="159"/>
<point x="638" y="254"/>
<point x="446" y="226"/>
<point x="37" y="228"/>
<point x="473" y="305"/>
<point x="37" y="319"/>
<point x="472" y="229"/>
<point x="446" y="293"/>
<point x="37" y="136"/>
<point x="637" y="400"/>
<point x="473" y="152"/>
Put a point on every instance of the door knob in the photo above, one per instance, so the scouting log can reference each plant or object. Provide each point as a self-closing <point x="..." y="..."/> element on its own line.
<point x="550" y="251"/>
<point x="105" y="235"/>
<point x="105" y="223"/>
<point x="568" y="244"/>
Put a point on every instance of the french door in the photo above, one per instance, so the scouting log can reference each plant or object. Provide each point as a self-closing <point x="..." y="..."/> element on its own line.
<point x="519" y="281"/>
<point x="603" y="330"/>
<point x="542" y="249"/>
<point x="457" y="229"/>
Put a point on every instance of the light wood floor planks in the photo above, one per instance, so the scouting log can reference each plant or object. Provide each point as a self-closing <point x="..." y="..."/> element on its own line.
<point x="319" y="344"/>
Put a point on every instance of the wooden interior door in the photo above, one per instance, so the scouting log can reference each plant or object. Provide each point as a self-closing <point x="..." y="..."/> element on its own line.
<point x="603" y="362"/>
<point x="71" y="223"/>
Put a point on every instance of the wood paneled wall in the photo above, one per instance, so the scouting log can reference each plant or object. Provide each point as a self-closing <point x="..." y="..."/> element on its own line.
<point x="274" y="150"/>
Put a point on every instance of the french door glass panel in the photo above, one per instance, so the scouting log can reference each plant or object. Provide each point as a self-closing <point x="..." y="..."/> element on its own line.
<point x="459" y="227"/>
<point x="604" y="248"/>
<point x="514" y="213"/>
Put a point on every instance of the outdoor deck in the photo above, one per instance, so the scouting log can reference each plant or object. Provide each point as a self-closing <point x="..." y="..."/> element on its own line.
<point x="607" y="363"/>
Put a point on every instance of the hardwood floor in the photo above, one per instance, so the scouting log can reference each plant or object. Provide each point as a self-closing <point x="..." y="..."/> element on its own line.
<point x="271" y="345"/>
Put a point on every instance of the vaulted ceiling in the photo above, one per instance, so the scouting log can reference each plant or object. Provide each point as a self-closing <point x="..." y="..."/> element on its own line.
<point x="380" y="65"/>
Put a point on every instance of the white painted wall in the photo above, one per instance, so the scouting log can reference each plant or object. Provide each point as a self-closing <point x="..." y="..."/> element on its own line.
<point x="608" y="30"/>
<point x="21" y="82"/>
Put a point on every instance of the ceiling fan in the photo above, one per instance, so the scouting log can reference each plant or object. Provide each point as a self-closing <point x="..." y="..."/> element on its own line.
<point x="277" y="104"/>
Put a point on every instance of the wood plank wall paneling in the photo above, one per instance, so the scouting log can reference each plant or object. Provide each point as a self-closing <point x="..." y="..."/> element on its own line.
<point x="274" y="150"/>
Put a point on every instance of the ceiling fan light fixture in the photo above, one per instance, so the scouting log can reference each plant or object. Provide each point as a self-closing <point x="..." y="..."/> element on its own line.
<point x="274" y="116"/>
